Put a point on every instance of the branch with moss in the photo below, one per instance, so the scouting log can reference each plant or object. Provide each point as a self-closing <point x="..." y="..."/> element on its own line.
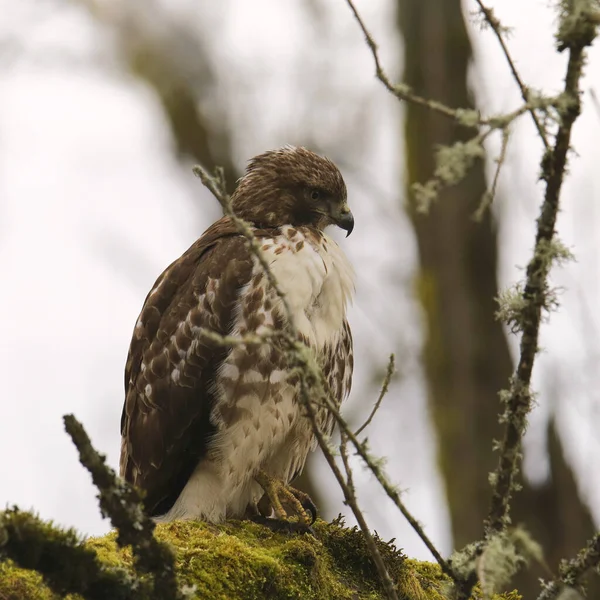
<point x="403" y="92"/>
<point x="63" y="561"/>
<point x="374" y="466"/>
<point x="122" y="504"/>
<point x="465" y="117"/>
<point x="572" y="571"/>
<point x="454" y="162"/>
<point x="576" y="32"/>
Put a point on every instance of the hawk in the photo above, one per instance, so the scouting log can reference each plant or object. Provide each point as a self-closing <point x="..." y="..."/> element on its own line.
<point x="209" y="428"/>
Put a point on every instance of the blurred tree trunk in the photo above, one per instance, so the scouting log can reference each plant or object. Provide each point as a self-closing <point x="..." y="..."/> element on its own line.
<point x="466" y="355"/>
<point x="466" y="358"/>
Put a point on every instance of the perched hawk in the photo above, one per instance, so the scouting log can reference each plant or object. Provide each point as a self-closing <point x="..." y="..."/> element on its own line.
<point x="209" y="429"/>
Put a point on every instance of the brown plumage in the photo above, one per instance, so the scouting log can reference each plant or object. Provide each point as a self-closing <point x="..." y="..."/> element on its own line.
<point x="203" y="422"/>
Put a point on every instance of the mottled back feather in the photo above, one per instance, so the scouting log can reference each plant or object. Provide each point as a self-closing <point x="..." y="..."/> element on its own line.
<point x="166" y="434"/>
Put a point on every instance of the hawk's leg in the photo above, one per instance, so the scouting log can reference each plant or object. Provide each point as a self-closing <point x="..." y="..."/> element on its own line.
<point x="281" y="495"/>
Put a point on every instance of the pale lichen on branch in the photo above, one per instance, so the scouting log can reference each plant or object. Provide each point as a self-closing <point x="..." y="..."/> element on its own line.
<point x="523" y="307"/>
<point x="452" y="163"/>
<point x="575" y="37"/>
<point x="572" y="571"/>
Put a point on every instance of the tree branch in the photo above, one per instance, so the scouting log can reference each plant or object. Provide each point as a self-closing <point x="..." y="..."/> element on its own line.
<point x="494" y="23"/>
<point x="66" y="565"/>
<point x="403" y="92"/>
<point x="575" y="33"/>
<point x="571" y="571"/>
<point x="123" y="505"/>
<point x="489" y="195"/>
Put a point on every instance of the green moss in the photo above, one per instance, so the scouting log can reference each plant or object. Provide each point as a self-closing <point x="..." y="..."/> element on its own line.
<point x="425" y="581"/>
<point x="18" y="584"/>
<point x="246" y="561"/>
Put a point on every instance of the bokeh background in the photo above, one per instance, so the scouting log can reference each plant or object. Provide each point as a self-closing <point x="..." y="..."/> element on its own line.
<point x="104" y="107"/>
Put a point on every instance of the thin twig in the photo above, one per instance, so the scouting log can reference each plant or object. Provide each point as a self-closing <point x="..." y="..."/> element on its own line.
<point x="494" y="23"/>
<point x="402" y="92"/>
<point x="215" y="185"/>
<point x="571" y="571"/>
<point x="384" y="389"/>
<point x="122" y="504"/>
<point x="489" y="195"/>
<point x="349" y="495"/>
<point x="385" y="484"/>
<point x="519" y="400"/>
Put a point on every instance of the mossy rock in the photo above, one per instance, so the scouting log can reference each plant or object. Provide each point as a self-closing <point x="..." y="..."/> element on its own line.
<point x="246" y="561"/>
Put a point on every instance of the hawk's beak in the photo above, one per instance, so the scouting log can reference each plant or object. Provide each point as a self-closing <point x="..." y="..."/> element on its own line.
<point x="343" y="218"/>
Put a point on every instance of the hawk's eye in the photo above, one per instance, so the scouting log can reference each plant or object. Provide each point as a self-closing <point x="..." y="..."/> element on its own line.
<point x="315" y="194"/>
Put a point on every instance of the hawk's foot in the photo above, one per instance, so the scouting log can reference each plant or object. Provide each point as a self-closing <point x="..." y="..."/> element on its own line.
<point x="284" y="499"/>
<point x="307" y="504"/>
<point x="282" y="526"/>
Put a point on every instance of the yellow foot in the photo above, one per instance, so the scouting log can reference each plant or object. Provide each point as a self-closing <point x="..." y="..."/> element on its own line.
<point x="284" y="499"/>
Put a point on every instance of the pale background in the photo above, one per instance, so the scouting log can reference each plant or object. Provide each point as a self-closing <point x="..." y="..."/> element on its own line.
<point x="93" y="205"/>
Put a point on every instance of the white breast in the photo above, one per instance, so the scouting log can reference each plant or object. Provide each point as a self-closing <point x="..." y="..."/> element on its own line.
<point x="316" y="278"/>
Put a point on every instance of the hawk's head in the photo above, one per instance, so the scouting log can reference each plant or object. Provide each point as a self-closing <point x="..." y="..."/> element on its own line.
<point x="292" y="186"/>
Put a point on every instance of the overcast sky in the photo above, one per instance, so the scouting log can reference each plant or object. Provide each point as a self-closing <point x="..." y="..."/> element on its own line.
<point x="93" y="205"/>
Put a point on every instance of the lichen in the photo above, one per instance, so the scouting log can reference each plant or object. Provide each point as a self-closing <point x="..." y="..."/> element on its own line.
<point x="246" y="561"/>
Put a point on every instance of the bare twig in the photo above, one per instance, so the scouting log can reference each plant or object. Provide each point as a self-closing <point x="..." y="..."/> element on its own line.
<point x="489" y="195"/>
<point x="349" y="495"/>
<point x="571" y="571"/>
<point x="67" y="566"/>
<point x="215" y="184"/>
<point x="494" y="23"/>
<point x="122" y="504"/>
<point x="466" y="117"/>
<point x="575" y="34"/>
<point x="403" y="92"/>
<point x="386" y="485"/>
<point x="384" y="389"/>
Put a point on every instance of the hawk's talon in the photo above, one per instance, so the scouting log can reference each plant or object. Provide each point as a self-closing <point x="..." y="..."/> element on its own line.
<point x="280" y="494"/>
<point x="306" y="501"/>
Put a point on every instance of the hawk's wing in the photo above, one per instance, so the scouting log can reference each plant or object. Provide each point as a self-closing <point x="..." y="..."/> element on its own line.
<point x="170" y="370"/>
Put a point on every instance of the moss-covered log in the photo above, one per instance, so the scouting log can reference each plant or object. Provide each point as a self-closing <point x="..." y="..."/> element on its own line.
<point x="246" y="561"/>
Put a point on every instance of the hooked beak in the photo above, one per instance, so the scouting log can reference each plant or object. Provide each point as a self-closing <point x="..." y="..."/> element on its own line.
<point x="343" y="218"/>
